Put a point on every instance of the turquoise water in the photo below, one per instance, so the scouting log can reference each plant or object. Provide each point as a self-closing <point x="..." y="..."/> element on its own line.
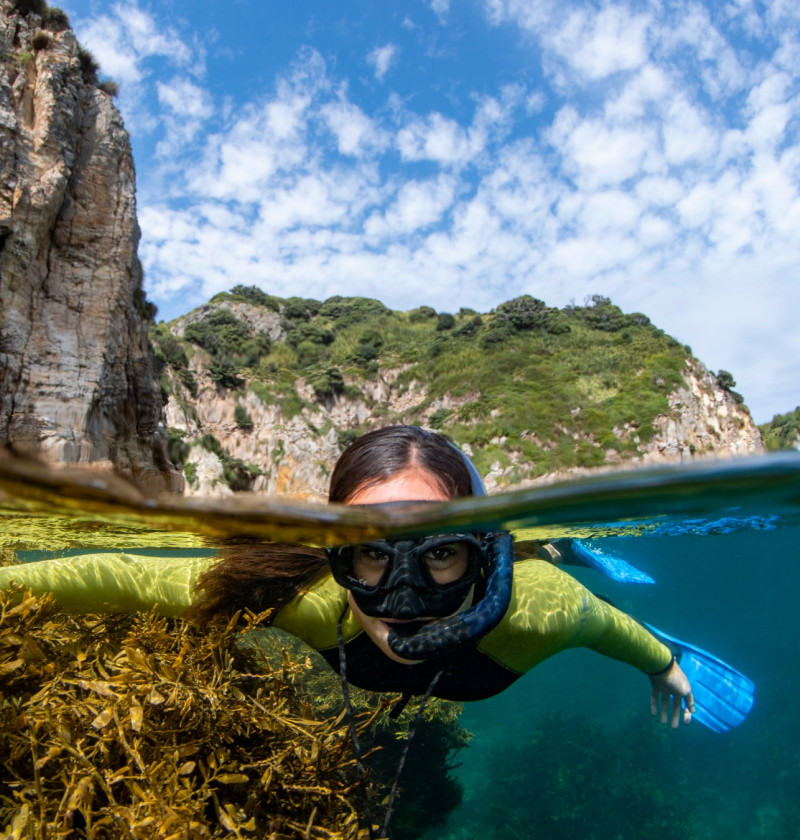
<point x="570" y="751"/>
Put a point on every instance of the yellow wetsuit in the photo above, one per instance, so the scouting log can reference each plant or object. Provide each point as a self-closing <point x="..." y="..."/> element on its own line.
<point x="550" y="611"/>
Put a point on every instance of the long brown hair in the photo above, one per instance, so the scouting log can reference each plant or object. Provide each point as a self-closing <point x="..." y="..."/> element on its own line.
<point x="263" y="576"/>
<point x="256" y="577"/>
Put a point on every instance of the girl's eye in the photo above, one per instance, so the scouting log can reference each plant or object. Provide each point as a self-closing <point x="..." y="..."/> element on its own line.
<point x="373" y="556"/>
<point x="439" y="556"/>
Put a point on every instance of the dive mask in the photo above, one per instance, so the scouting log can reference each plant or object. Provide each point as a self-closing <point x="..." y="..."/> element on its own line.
<point x="427" y="577"/>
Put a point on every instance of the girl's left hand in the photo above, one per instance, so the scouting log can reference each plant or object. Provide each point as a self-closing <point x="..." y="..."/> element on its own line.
<point x="672" y="687"/>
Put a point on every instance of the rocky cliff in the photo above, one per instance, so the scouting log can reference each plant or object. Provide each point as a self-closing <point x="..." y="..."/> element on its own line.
<point x="77" y="379"/>
<point x="270" y="443"/>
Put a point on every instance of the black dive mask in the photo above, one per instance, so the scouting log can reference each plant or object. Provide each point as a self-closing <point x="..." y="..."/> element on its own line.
<point x="403" y="579"/>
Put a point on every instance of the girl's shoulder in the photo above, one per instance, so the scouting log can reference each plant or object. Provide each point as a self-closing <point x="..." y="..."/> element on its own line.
<point x="313" y="614"/>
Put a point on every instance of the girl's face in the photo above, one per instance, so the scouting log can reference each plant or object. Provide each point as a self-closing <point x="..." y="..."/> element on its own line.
<point x="410" y="485"/>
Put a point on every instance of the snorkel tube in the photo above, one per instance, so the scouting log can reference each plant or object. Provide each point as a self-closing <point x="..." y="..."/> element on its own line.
<point x="445" y="635"/>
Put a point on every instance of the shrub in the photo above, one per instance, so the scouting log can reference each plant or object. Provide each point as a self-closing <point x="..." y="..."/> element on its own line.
<point x="187" y="378"/>
<point x="109" y="86"/>
<point x="55" y="19"/>
<point x="221" y="333"/>
<point x="88" y="66"/>
<point x="177" y="448"/>
<point x="26" y="58"/>
<point x="326" y="382"/>
<point x="146" y="310"/>
<point x="30" y="7"/>
<point x="445" y="322"/>
<point x="603" y="315"/>
<point x="309" y="332"/>
<point x="422" y="313"/>
<point x="242" y="417"/>
<point x="41" y="41"/>
<point x="523" y="313"/>
<point x="347" y="311"/>
<point x="439" y="418"/>
<point x="500" y="330"/>
<point x="309" y="353"/>
<point x="190" y="473"/>
<point x="470" y="327"/>
<point x="295" y="310"/>
<point x="726" y="381"/>
<point x="256" y="296"/>
<point x="168" y="349"/>
<point x="224" y="371"/>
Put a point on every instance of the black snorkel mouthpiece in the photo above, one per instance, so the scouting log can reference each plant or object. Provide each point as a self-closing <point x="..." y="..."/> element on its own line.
<point x="445" y="635"/>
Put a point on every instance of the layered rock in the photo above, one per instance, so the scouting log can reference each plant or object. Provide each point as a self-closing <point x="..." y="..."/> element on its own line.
<point x="77" y="379"/>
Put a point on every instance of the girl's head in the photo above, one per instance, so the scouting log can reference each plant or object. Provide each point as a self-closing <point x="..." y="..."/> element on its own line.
<point x="409" y="595"/>
<point x="401" y="452"/>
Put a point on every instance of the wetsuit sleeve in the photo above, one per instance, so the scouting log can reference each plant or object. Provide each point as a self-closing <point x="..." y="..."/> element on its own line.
<point x="550" y="611"/>
<point x="112" y="582"/>
<point x="313" y="615"/>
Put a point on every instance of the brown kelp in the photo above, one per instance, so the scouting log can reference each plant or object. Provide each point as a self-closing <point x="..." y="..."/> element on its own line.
<point x="144" y="727"/>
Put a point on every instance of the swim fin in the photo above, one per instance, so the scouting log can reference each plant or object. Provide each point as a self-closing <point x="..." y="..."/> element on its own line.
<point x="723" y="696"/>
<point x="587" y="553"/>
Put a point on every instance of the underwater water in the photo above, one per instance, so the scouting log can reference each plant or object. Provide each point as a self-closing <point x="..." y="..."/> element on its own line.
<point x="570" y="750"/>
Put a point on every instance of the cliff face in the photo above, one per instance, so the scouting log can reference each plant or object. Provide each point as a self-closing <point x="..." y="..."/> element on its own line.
<point x="77" y="381"/>
<point x="295" y="454"/>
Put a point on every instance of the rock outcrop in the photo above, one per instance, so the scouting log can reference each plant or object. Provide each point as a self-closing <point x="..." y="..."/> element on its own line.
<point x="294" y="455"/>
<point x="78" y="382"/>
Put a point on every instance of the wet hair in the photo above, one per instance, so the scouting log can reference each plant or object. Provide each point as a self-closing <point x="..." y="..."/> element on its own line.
<point x="262" y="576"/>
<point x="383" y="453"/>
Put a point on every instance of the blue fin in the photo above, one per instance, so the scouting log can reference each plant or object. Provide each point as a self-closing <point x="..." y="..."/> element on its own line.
<point x="587" y="553"/>
<point x="723" y="696"/>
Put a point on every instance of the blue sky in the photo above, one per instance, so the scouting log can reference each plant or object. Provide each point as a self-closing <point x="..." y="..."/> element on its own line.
<point x="463" y="152"/>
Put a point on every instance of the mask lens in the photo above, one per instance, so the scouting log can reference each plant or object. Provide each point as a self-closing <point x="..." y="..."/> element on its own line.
<point x="368" y="564"/>
<point x="449" y="562"/>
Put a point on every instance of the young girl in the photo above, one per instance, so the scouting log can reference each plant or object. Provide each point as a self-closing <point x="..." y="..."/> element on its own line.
<point x="452" y="615"/>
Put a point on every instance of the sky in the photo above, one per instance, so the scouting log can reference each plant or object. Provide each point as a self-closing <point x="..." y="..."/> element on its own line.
<point x="459" y="153"/>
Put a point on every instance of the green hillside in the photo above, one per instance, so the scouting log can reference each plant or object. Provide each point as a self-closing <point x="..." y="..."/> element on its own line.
<point x="561" y="387"/>
<point x="783" y="431"/>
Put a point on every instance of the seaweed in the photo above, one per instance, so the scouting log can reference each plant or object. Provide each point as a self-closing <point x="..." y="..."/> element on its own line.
<point x="144" y="727"/>
<point x="147" y="727"/>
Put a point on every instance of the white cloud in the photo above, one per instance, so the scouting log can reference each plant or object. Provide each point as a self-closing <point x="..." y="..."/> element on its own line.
<point x="597" y="154"/>
<point x="185" y="99"/>
<point x="598" y="44"/>
<point x="381" y="59"/>
<point x="417" y="206"/>
<point x="123" y="39"/>
<point x="355" y="132"/>
<point x="436" y="138"/>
